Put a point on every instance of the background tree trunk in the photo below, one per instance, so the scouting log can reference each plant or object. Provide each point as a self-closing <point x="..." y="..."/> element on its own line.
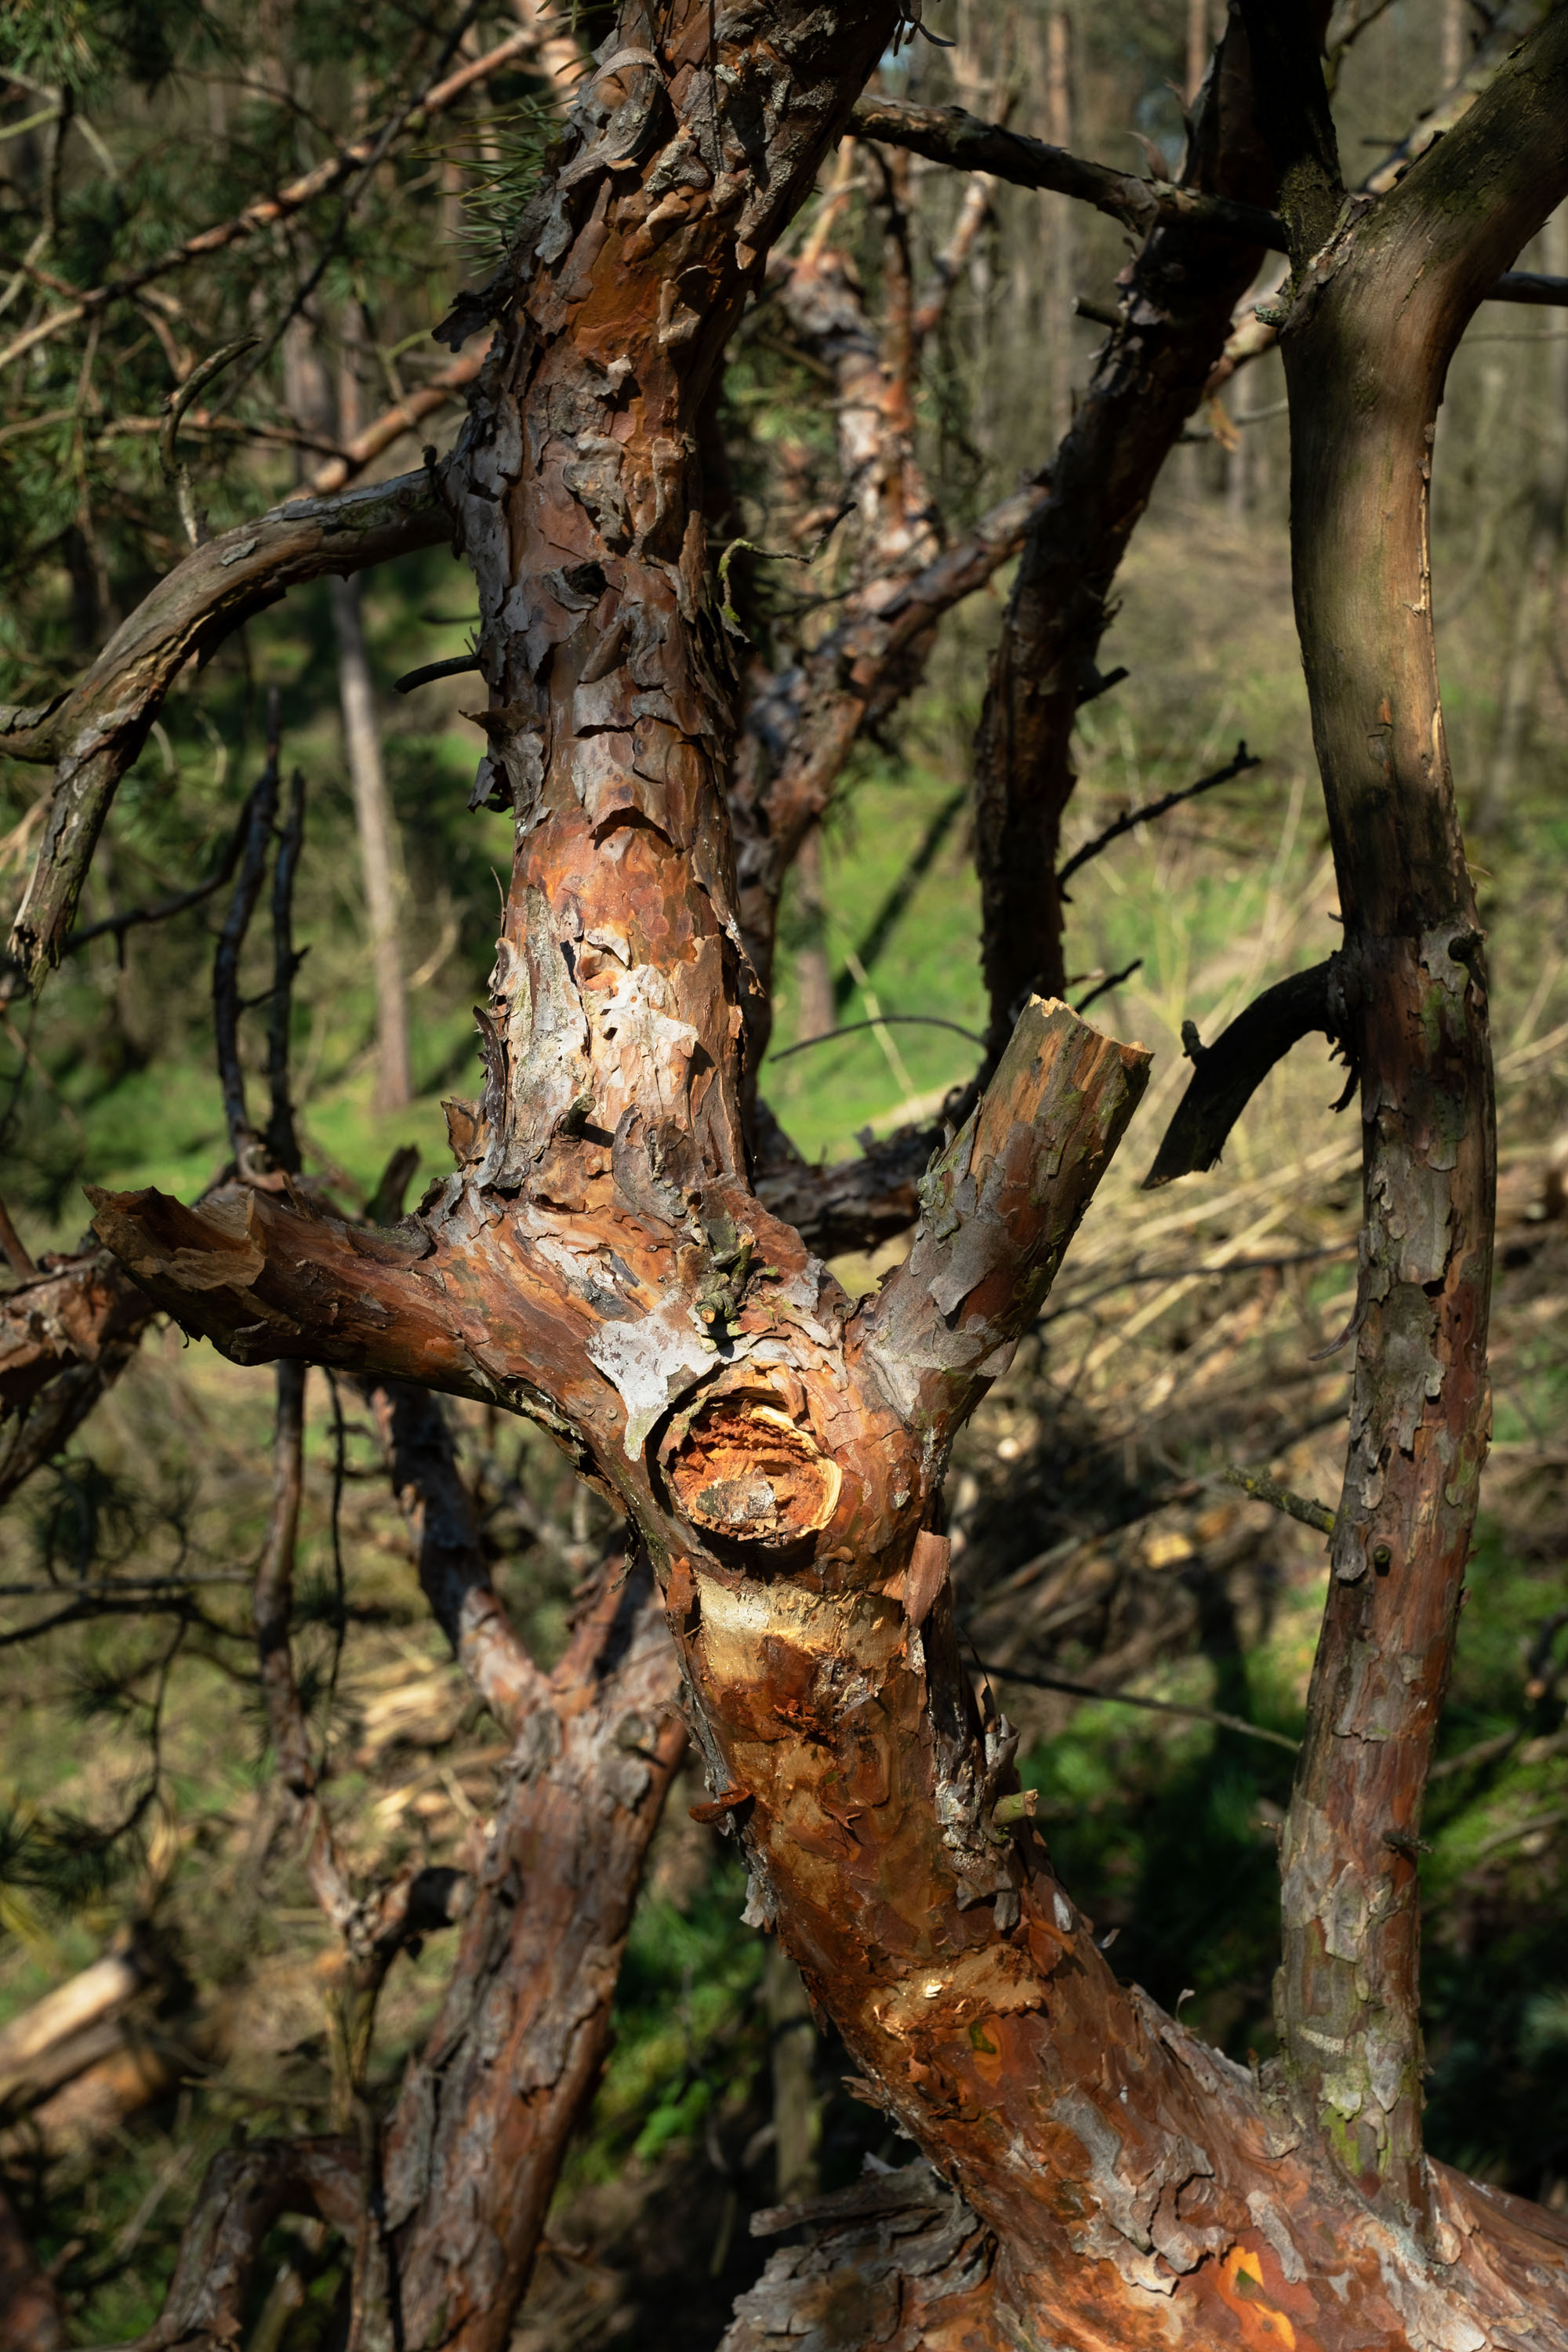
<point x="379" y="862"/>
<point x="1541" y="578"/>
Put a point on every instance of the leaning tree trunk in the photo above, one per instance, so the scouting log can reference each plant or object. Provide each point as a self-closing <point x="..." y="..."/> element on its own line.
<point x="1376" y="308"/>
<point x="599" y="1262"/>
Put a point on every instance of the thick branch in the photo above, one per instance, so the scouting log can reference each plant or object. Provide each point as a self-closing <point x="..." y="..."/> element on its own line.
<point x="999" y="1209"/>
<point x="96" y="731"/>
<point x="485" y="2115"/>
<point x="1228" y="1074"/>
<point x="1175" y="318"/>
<point x="245" y="2190"/>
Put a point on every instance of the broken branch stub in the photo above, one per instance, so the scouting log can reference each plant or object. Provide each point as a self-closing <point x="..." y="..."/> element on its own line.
<point x="1228" y="1074"/>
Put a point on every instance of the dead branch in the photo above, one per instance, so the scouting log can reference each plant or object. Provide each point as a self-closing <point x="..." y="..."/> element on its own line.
<point x="486" y="2113"/>
<point x="1228" y="1074"/>
<point x="1147" y="380"/>
<point x="453" y="1572"/>
<point x="1034" y="1679"/>
<point x="946" y="134"/>
<point x="96" y="731"/>
<point x="1152" y="810"/>
<point x="73" y="1315"/>
<point x="162" y="909"/>
<point x="245" y="2190"/>
<point x="244" y="1142"/>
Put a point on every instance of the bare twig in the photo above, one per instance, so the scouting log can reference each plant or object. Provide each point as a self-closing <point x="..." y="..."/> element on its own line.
<point x="1238" y="766"/>
<point x="174" y="470"/>
<point x="1228" y="1074"/>
<point x="1035" y="1681"/>
<point x="282" y="1142"/>
<point x="946" y="134"/>
<point x="883" y="1021"/>
<point x="1305" y="1508"/>
<point x="162" y="909"/>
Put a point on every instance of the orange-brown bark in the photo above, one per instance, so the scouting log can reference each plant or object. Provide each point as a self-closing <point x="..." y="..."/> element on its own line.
<point x="598" y="1260"/>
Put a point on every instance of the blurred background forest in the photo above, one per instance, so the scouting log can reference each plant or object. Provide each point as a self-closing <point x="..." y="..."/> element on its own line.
<point x="1094" y="1544"/>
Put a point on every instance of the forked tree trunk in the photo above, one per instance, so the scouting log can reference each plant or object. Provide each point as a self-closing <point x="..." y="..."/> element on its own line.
<point x="599" y="1262"/>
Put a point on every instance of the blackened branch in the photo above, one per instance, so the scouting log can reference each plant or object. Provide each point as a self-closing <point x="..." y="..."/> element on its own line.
<point x="1228" y="1074"/>
<point x="161" y="910"/>
<point x="1238" y="767"/>
<point x="282" y="1142"/>
<point x="226" y="1008"/>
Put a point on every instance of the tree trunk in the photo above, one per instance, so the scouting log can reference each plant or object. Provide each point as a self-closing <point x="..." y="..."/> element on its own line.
<point x="379" y="862"/>
<point x="812" y="973"/>
<point x="1375" y="315"/>
<point x="599" y="1262"/>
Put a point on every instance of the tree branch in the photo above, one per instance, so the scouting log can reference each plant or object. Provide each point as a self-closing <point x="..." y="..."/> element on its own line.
<point x="453" y="1573"/>
<point x="1228" y="1074"/>
<point x="245" y="2190"/>
<point x="992" y="1232"/>
<point x="1152" y="809"/>
<point x="96" y="731"/>
<point x="946" y="134"/>
<point x="1176" y="316"/>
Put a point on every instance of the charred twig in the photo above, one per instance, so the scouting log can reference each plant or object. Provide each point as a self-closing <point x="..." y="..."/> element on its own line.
<point x="1228" y="1074"/>
<point x="460" y="666"/>
<point x="883" y="1021"/>
<point x="282" y="1142"/>
<point x="1103" y="987"/>
<point x="243" y="1139"/>
<point x="1305" y="1508"/>
<point x="162" y="909"/>
<point x="1036" y="1681"/>
<point x="1238" y="766"/>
